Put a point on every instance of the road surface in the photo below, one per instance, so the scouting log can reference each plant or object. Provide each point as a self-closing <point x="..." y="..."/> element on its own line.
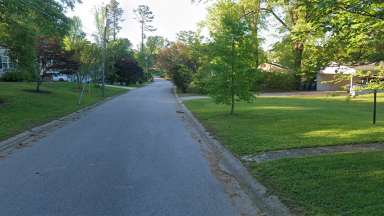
<point x="130" y="156"/>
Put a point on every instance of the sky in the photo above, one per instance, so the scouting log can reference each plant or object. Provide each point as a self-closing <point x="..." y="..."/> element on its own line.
<point x="171" y="17"/>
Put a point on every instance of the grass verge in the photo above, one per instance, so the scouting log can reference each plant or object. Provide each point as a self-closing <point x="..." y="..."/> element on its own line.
<point x="22" y="108"/>
<point x="274" y="123"/>
<point x="342" y="184"/>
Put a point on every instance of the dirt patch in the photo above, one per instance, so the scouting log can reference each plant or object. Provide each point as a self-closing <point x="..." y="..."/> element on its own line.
<point x="37" y="92"/>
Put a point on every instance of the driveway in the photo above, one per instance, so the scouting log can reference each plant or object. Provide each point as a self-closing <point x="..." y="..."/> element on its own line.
<point x="130" y="156"/>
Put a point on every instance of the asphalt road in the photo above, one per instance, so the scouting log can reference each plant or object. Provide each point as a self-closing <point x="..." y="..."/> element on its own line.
<point x="130" y="156"/>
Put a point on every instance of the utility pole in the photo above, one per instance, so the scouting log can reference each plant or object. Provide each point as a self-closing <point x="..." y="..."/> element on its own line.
<point x="105" y="50"/>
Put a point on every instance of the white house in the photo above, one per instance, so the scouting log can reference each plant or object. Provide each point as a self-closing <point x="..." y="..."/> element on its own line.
<point x="329" y="73"/>
<point x="325" y="77"/>
<point x="5" y="62"/>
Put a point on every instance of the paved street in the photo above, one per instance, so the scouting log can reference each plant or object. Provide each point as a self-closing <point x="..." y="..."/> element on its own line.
<point x="130" y="156"/>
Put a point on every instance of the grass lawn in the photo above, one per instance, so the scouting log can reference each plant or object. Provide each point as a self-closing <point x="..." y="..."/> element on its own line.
<point x="272" y="123"/>
<point x="21" y="108"/>
<point x="342" y="184"/>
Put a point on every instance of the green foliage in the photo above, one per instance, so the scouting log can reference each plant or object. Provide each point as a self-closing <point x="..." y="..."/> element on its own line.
<point x="231" y="72"/>
<point x="145" y="17"/>
<point x="17" y="75"/>
<point x="182" y="77"/>
<point x="22" y="21"/>
<point x="115" y="17"/>
<point x="178" y="63"/>
<point x="276" y="81"/>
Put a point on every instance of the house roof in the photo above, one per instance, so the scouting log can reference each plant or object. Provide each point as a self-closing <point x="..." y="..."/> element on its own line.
<point x="369" y="67"/>
<point x="335" y="68"/>
<point x="340" y="69"/>
<point x="272" y="67"/>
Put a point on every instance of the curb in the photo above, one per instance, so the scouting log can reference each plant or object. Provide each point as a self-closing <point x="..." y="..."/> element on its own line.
<point x="40" y="131"/>
<point x="268" y="204"/>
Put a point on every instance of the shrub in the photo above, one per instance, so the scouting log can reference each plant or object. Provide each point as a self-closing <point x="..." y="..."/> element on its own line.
<point x="276" y="82"/>
<point x="16" y="76"/>
<point x="182" y="77"/>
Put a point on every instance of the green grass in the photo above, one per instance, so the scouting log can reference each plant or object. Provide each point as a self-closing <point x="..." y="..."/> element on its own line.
<point x="273" y="123"/>
<point x="21" y="109"/>
<point x="342" y="184"/>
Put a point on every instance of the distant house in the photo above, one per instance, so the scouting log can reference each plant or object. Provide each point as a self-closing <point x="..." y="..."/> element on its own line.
<point x="325" y="77"/>
<point x="273" y="68"/>
<point x="5" y="61"/>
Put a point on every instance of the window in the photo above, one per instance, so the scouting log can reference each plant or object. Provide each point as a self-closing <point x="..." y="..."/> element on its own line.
<point x="4" y="62"/>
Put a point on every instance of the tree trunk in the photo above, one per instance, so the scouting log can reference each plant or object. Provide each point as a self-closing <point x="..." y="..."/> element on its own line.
<point x="298" y="51"/>
<point x="298" y="48"/>
<point x="233" y="79"/>
<point x="142" y="37"/>
<point x="38" y="84"/>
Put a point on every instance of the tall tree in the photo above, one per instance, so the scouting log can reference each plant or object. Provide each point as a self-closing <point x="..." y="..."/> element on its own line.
<point x="115" y="14"/>
<point x="144" y="16"/>
<point x="298" y="20"/>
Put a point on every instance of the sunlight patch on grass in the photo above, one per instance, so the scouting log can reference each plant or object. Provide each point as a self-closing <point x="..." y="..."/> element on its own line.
<point x="281" y="108"/>
<point x="344" y="133"/>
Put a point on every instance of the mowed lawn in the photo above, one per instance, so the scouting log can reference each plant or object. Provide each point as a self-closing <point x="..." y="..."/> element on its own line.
<point x="273" y="123"/>
<point x="342" y="184"/>
<point x="336" y="184"/>
<point x="21" y="108"/>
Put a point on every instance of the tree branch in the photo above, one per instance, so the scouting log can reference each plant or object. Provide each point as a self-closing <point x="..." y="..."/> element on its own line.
<point x="276" y="17"/>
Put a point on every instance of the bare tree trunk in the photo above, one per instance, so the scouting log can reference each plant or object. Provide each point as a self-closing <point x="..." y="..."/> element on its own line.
<point x="298" y="48"/>
<point x="298" y="51"/>
<point x="233" y="79"/>
<point x="142" y="37"/>
<point x="38" y="84"/>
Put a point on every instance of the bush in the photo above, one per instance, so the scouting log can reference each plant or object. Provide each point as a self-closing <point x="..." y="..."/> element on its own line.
<point x="276" y="82"/>
<point x="182" y="77"/>
<point x="16" y="76"/>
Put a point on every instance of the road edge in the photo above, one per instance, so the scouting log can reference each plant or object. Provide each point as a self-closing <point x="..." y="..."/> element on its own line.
<point x="268" y="203"/>
<point x="40" y="131"/>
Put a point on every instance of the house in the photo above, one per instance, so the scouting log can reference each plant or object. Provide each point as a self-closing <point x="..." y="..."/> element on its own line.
<point x="326" y="78"/>
<point x="273" y="68"/>
<point x="5" y="62"/>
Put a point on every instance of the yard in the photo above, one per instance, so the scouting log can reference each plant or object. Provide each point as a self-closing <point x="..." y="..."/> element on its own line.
<point x="342" y="184"/>
<point x="273" y="123"/>
<point x="21" y="108"/>
<point x="333" y="184"/>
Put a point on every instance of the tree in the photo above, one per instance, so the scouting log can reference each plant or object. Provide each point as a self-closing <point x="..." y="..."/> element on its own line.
<point x="49" y="52"/>
<point x="129" y="71"/>
<point x="117" y="50"/>
<point x="153" y="46"/>
<point x="232" y="66"/>
<point x="144" y="16"/>
<point x="302" y="26"/>
<point x="23" y="22"/>
<point x="75" y="44"/>
<point x="175" y="61"/>
<point x="115" y="14"/>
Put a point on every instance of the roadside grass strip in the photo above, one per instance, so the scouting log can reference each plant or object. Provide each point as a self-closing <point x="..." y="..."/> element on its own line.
<point x="23" y="108"/>
<point x="339" y="184"/>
